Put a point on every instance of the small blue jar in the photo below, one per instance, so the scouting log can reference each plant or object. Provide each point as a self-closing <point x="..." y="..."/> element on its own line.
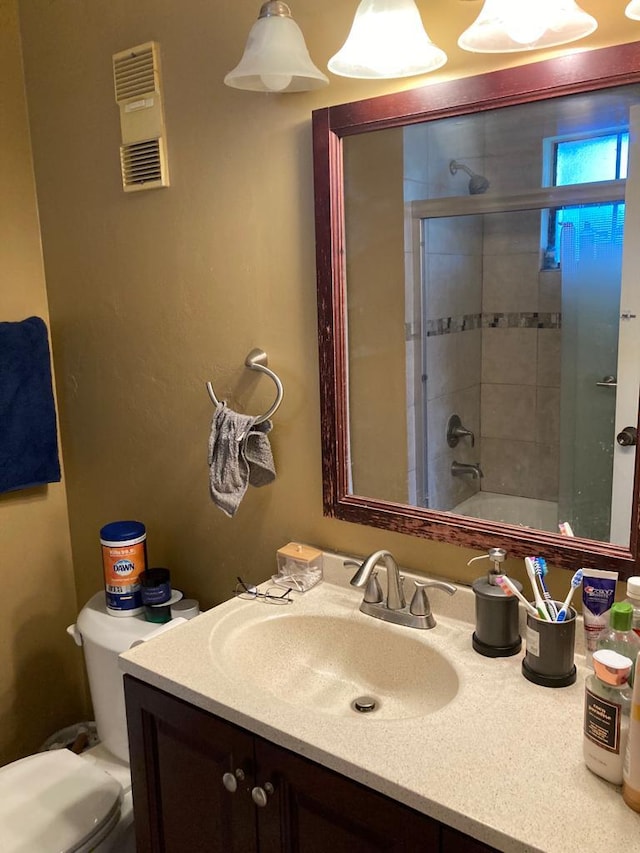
<point x="155" y="587"/>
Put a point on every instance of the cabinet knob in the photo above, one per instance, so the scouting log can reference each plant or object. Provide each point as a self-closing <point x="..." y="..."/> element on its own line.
<point x="260" y="796"/>
<point x="230" y="780"/>
<point x="628" y="437"/>
<point x="230" y="783"/>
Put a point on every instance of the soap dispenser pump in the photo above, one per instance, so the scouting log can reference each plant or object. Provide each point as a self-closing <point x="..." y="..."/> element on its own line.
<point x="497" y="633"/>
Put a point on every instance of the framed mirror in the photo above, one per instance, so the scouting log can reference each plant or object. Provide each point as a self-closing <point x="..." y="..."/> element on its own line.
<point x="479" y="309"/>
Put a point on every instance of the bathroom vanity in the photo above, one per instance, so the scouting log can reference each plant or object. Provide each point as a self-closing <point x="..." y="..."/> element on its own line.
<point x="243" y="736"/>
<point x="203" y="784"/>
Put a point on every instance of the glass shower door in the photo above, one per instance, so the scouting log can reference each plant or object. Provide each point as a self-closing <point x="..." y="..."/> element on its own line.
<point x="591" y="265"/>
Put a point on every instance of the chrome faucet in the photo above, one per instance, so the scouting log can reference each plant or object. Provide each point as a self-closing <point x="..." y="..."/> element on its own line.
<point x="394" y="609"/>
<point x="395" y="591"/>
<point x="461" y="469"/>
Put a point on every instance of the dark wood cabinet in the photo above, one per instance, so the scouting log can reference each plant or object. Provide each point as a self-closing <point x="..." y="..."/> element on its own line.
<point x="316" y="810"/>
<point x="457" y="842"/>
<point x="179" y="755"/>
<point x="201" y="783"/>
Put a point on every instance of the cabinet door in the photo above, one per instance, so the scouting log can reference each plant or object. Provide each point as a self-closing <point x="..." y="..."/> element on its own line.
<point x="179" y="755"/>
<point x="314" y="810"/>
<point x="457" y="842"/>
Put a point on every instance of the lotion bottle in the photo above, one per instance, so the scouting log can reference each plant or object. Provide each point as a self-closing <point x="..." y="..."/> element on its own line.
<point x="631" y="767"/>
<point x="606" y="714"/>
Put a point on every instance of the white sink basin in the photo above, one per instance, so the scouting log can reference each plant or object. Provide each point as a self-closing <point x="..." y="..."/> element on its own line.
<point x="324" y="662"/>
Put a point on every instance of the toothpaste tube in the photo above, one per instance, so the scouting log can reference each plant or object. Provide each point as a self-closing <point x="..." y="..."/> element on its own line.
<point x="598" y="594"/>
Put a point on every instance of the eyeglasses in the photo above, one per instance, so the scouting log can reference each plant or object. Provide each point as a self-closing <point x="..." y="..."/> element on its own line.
<point x="273" y="595"/>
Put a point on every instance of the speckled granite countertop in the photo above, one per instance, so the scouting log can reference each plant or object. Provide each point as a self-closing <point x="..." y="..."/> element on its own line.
<point x="501" y="762"/>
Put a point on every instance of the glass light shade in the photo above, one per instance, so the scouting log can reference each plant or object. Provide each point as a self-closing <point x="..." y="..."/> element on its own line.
<point x="276" y="58"/>
<point x="387" y="40"/>
<point x="633" y="10"/>
<point x="507" y="26"/>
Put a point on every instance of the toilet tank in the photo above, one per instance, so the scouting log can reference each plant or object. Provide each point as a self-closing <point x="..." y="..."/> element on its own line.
<point x="104" y="637"/>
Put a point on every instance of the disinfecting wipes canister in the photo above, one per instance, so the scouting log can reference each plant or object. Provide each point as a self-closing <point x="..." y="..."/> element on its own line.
<point x="124" y="557"/>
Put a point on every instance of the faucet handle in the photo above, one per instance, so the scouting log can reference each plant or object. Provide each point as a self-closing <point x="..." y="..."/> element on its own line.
<point x="449" y="588"/>
<point x="420" y="604"/>
<point x="373" y="590"/>
<point x="352" y="564"/>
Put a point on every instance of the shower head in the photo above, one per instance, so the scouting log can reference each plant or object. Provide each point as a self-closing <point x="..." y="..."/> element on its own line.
<point x="478" y="184"/>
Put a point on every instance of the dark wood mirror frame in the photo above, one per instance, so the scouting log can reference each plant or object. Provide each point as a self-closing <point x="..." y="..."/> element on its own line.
<point x="579" y="72"/>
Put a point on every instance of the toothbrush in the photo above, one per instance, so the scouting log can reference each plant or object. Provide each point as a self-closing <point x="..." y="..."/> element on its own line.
<point x="565" y="529"/>
<point x="540" y="568"/>
<point x="509" y="588"/>
<point x="576" y="580"/>
<point x="540" y="606"/>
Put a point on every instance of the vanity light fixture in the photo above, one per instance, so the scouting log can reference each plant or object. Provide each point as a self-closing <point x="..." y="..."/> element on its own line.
<point x="633" y="10"/>
<point x="276" y="58"/>
<point x="507" y="26"/>
<point x="387" y="40"/>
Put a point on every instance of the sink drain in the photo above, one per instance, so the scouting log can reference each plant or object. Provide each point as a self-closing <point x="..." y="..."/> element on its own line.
<point x="364" y="704"/>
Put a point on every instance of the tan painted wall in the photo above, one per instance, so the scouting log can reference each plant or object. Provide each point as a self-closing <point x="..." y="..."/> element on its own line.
<point x="151" y="294"/>
<point x="373" y="168"/>
<point x="40" y="667"/>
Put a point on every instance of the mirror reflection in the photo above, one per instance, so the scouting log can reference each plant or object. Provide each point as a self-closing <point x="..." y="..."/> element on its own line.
<point x="492" y="313"/>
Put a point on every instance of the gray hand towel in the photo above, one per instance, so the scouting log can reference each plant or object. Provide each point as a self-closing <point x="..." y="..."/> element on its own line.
<point x="258" y="454"/>
<point x="239" y="455"/>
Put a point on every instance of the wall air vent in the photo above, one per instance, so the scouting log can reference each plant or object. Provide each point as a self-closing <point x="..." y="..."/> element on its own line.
<point x="134" y="73"/>
<point x="138" y="90"/>
<point x="142" y="165"/>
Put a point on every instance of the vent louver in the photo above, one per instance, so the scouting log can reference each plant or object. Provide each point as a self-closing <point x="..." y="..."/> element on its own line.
<point x="134" y="73"/>
<point x="142" y="165"/>
<point x="138" y="91"/>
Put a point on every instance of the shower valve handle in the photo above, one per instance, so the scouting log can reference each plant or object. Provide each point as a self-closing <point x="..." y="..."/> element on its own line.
<point x="456" y="431"/>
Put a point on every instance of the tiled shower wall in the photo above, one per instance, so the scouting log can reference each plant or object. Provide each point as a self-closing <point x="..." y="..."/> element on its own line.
<point x="493" y="329"/>
<point x="453" y="285"/>
<point x="520" y="398"/>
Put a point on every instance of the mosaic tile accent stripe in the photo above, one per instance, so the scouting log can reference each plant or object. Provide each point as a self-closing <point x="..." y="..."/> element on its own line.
<point x="523" y="320"/>
<point x="493" y="320"/>
<point x="449" y="325"/>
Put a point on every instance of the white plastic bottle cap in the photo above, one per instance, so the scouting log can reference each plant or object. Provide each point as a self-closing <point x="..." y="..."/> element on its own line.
<point x="633" y="587"/>
<point x="187" y="608"/>
<point x="611" y="667"/>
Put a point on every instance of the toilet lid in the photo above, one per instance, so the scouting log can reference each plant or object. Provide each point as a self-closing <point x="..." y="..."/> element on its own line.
<point x="54" y="801"/>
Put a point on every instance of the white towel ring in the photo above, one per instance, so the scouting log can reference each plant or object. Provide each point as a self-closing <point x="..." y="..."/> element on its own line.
<point x="257" y="360"/>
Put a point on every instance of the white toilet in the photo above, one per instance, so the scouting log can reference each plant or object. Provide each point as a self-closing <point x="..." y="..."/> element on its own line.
<point x="59" y="802"/>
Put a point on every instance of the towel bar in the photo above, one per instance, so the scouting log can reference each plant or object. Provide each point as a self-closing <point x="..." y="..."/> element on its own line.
<point x="257" y="360"/>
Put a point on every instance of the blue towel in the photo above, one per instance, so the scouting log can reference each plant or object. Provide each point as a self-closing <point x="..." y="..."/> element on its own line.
<point x="28" y="436"/>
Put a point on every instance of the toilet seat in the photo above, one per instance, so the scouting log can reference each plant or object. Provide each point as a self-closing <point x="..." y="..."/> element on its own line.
<point x="55" y="801"/>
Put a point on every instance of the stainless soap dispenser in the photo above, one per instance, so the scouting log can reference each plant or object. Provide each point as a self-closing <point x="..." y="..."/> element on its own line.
<point x="497" y="633"/>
